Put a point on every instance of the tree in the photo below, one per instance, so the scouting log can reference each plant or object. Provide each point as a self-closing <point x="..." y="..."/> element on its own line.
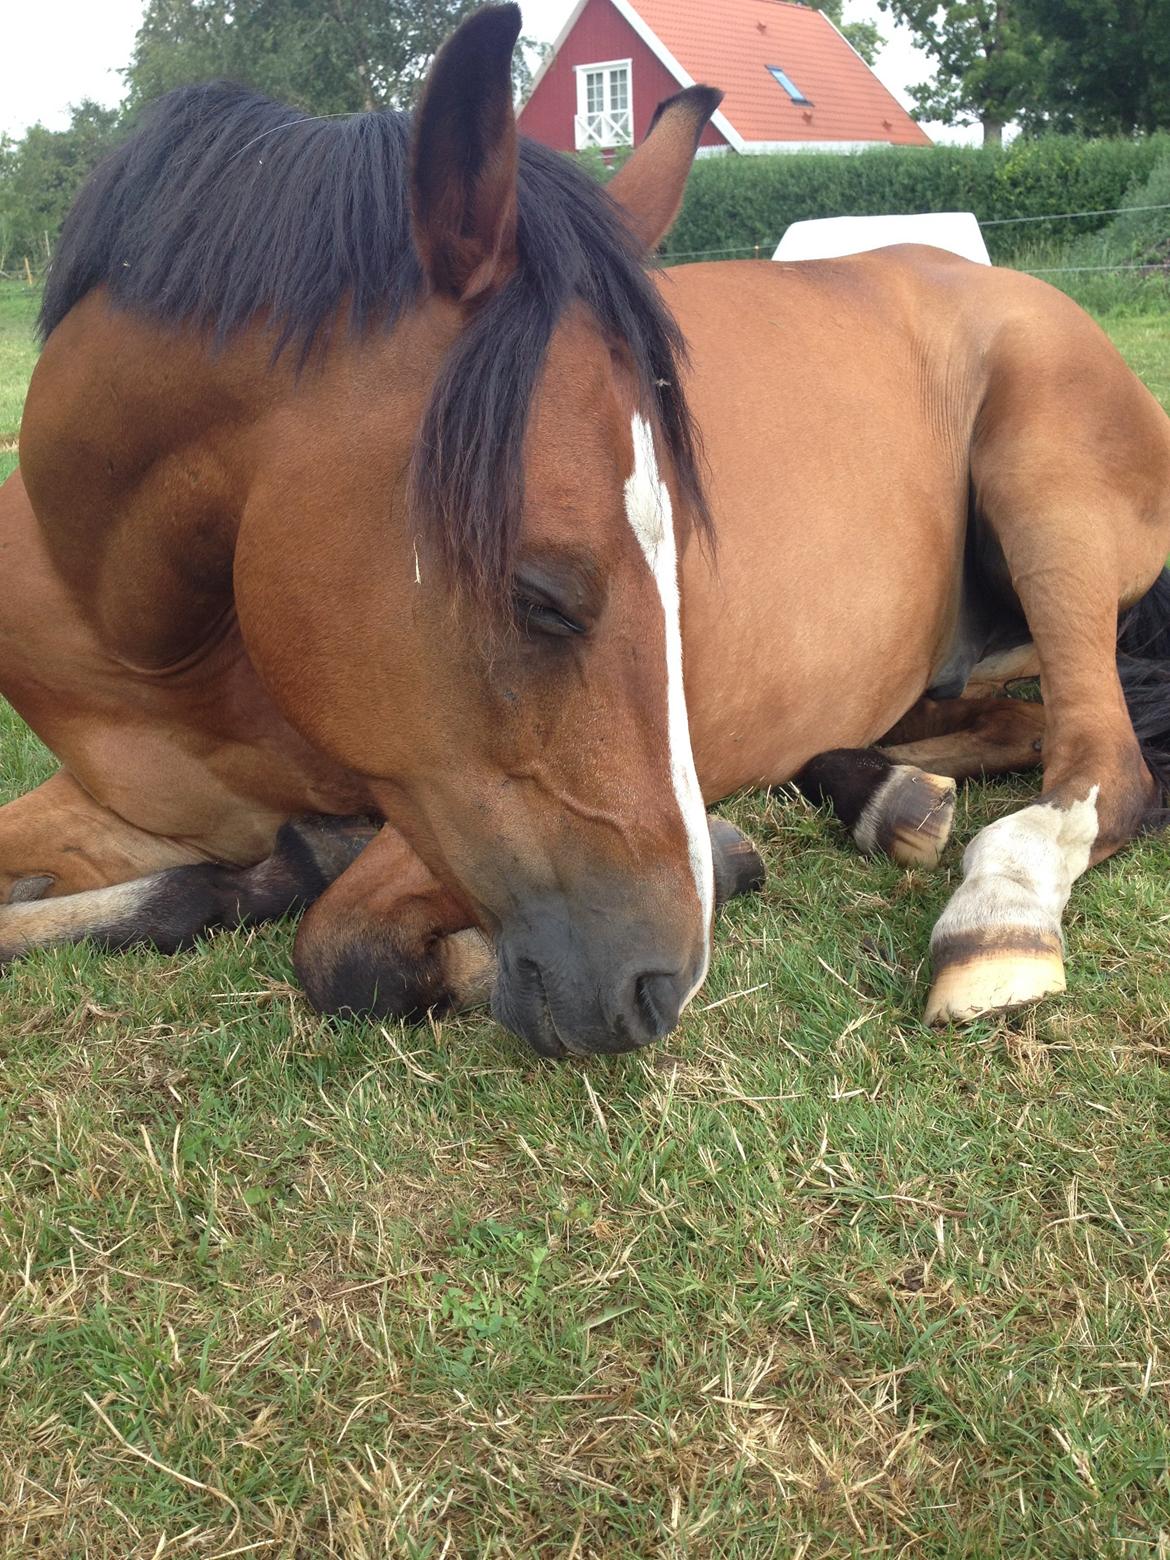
<point x="327" y="56"/>
<point x="990" y="61"/>
<point x="41" y="173"/>
<point x="864" y="36"/>
<point x="1107" y="66"/>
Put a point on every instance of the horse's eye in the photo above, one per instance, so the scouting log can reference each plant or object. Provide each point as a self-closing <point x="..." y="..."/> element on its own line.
<point x="540" y="617"/>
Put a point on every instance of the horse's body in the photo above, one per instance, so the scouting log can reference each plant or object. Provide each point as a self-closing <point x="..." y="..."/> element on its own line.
<point x="915" y="464"/>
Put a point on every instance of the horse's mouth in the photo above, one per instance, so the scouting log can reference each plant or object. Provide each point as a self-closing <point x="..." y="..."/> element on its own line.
<point x="521" y="1004"/>
<point x="552" y="1043"/>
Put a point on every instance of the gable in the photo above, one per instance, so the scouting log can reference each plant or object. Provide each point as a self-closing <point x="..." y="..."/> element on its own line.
<point x="787" y="74"/>
<point x="599" y="34"/>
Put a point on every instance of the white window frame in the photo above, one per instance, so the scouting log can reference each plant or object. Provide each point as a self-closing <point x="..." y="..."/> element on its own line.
<point x="604" y="130"/>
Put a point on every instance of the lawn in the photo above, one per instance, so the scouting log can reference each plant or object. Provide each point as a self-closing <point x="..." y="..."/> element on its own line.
<point x="808" y="1280"/>
<point x="18" y="306"/>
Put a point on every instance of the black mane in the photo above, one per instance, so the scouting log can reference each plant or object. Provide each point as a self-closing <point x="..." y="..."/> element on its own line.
<point x="225" y="206"/>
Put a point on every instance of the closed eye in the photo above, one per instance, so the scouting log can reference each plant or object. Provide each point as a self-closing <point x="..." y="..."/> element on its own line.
<point x="541" y="617"/>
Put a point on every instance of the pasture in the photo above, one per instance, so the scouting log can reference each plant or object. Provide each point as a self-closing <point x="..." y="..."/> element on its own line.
<point x="808" y="1280"/>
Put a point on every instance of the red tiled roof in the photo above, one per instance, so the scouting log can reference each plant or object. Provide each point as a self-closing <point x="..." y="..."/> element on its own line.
<point x="730" y="44"/>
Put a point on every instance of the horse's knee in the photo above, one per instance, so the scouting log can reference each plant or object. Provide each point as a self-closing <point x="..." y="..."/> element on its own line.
<point x="57" y="840"/>
<point x="396" y="966"/>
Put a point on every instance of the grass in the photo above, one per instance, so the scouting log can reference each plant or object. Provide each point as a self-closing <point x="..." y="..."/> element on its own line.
<point x="18" y="307"/>
<point x="807" y="1281"/>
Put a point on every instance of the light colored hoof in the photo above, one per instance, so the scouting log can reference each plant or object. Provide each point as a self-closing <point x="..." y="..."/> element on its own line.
<point x="989" y="982"/>
<point x="469" y="968"/>
<point x="909" y="818"/>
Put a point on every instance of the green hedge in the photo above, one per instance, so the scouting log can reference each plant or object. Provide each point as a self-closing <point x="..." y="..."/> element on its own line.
<point x="741" y="202"/>
<point x="1141" y="234"/>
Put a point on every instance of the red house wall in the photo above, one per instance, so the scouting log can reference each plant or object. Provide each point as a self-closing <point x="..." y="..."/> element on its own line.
<point x="600" y="34"/>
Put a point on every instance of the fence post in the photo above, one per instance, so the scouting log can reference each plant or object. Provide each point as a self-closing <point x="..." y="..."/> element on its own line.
<point x="28" y="276"/>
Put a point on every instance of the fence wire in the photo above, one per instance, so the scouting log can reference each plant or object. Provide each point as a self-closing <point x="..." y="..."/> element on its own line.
<point x="1068" y="216"/>
<point x="765" y="249"/>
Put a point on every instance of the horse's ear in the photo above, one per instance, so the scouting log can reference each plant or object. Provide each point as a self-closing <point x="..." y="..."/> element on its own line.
<point x="649" y="187"/>
<point x="463" y="160"/>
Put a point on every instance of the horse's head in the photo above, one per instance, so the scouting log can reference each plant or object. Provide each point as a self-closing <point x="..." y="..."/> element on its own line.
<point x="528" y="728"/>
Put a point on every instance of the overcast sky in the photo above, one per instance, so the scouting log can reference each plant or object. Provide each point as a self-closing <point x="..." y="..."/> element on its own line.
<point x="59" y="51"/>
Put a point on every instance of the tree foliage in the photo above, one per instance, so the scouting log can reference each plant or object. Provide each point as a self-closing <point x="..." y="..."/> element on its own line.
<point x="864" y="36"/>
<point x="988" y="57"/>
<point x="41" y="173"/>
<point x="1090" y="67"/>
<point x="1106" y="66"/>
<point x="327" y="56"/>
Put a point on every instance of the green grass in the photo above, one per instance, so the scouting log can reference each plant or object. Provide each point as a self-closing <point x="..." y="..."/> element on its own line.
<point x="18" y="308"/>
<point x="807" y="1281"/>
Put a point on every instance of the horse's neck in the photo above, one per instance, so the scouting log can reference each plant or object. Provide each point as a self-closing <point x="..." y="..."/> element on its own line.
<point x="138" y="447"/>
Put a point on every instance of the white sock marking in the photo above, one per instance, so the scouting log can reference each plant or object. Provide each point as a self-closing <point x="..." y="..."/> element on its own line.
<point x="648" y="510"/>
<point x="37" y="923"/>
<point x="1019" y="871"/>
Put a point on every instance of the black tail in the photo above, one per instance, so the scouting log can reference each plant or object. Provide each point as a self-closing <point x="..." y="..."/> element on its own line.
<point x="1143" y="661"/>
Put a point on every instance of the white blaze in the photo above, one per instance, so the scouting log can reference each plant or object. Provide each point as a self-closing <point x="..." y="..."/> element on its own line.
<point x="648" y="510"/>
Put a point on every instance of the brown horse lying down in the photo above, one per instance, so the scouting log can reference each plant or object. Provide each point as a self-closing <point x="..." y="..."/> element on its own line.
<point x="358" y="470"/>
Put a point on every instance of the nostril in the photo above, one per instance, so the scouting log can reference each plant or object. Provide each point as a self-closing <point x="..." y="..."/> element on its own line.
<point x="657" y="1004"/>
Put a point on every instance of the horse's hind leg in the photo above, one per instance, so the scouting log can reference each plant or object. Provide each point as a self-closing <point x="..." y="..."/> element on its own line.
<point x="168" y="908"/>
<point x="898" y="799"/>
<point x="57" y="840"/>
<point x="999" y="942"/>
<point x="890" y="807"/>
<point x="969" y="738"/>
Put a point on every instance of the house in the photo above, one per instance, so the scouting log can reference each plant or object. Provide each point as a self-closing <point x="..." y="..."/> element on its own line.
<point x="790" y="80"/>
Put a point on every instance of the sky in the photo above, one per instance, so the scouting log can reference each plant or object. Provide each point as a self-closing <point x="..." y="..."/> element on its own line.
<point x="60" y="51"/>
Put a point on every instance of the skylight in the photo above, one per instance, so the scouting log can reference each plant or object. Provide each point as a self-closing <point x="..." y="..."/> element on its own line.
<point x="789" y="85"/>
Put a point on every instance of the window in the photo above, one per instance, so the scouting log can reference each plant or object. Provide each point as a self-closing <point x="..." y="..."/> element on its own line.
<point x="604" y="110"/>
<point x="789" y="86"/>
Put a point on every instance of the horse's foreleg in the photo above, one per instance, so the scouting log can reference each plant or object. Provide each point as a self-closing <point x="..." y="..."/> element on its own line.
<point x="388" y="941"/>
<point x="58" y="840"/>
<point x="168" y="908"/>
<point x="999" y="943"/>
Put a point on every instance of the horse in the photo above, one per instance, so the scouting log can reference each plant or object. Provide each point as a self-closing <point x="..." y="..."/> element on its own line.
<point x="394" y="541"/>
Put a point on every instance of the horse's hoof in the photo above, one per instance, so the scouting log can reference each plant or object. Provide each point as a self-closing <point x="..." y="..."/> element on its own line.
<point x="738" y="866"/>
<point x="357" y="969"/>
<point x="909" y="817"/>
<point x="989" y="982"/>
<point x="469" y="969"/>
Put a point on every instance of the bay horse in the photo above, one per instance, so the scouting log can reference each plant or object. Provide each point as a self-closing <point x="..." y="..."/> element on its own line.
<point x="365" y="554"/>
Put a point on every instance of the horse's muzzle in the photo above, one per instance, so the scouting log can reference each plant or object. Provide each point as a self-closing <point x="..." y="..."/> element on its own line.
<point x="540" y="995"/>
<point x="580" y="982"/>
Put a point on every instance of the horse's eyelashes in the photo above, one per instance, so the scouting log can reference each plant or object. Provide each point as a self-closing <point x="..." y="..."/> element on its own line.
<point x="540" y="617"/>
